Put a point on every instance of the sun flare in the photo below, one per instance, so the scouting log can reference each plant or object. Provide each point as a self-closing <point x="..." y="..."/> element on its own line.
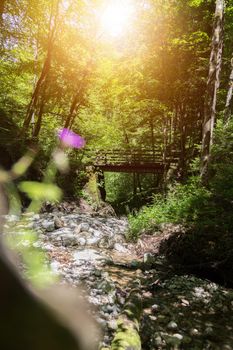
<point x="116" y="17"/>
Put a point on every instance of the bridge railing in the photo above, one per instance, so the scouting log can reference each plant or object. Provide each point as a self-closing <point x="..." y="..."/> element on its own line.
<point x="136" y="156"/>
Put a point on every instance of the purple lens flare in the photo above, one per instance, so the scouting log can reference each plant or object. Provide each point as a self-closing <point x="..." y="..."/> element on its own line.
<point x="70" y="139"/>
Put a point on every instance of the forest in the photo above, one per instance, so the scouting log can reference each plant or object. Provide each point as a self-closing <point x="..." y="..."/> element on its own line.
<point x="116" y="174"/>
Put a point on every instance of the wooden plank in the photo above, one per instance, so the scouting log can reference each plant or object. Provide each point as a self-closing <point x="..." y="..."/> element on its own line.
<point x="141" y="160"/>
<point x="149" y="168"/>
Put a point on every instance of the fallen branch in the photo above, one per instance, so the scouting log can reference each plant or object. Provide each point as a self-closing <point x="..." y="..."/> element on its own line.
<point x="127" y="333"/>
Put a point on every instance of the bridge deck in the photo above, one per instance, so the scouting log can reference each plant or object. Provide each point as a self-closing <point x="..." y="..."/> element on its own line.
<point x="131" y="168"/>
<point x="136" y="161"/>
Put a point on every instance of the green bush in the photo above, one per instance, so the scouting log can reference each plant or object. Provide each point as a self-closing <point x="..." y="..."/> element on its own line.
<point x="222" y="162"/>
<point x="192" y="204"/>
<point x="182" y="204"/>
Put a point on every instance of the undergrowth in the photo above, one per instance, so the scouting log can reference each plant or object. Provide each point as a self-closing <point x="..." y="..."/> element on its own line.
<point x="183" y="204"/>
<point x="192" y="204"/>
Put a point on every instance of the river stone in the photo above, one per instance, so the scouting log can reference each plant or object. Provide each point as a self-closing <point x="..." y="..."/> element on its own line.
<point x="48" y="226"/>
<point x="194" y="332"/>
<point x="178" y="336"/>
<point x="84" y="227"/>
<point x="69" y="239"/>
<point x="12" y="218"/>
<point x="155" y="307"/>
<point x="36" y="217"/>
<point x="77" y="230"/>
<point x="48" y="247"/>
<point x="58" y="223"/>
<point x="148" y="258"/>
<point x="97" y="234"/>
<point x="63" y="237"/>
<point x="120" y="248"/>
<point x="93" y="241"/>
<point x="97" y="273"/>
<point x="173" y="340"/>
<point x="172" y="325"/>
<point x="81" y="241"/>
<point x="208" y="331"/>
<point x="55" y="265"/>
<point x="112" y="324"/>
<point x="88" y="255"/>
<point x="158" y="341"/>
<point x="103" y="243"/>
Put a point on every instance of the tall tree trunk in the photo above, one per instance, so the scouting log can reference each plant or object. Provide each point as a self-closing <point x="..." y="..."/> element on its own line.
<point x="73" y="109"/>
<point x="37" y="128"/>
<point x="212" y="88"/>
<point x="36" y="93"/>
<point x="152" y="132"/>
<point x="46" y="67"/>
<point x="165" y="138"/>
<point x="2" y="5"/>
<point x="228" y="106"/>
<point x="183" y="137"/>
<point x="77" y="99"/>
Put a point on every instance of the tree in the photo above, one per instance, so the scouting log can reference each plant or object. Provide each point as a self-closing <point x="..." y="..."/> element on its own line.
<point x="2" y="5"/>
<point x="228" y="106"/>
<point x="41" y="85"/>
<point x="212" y="88"/>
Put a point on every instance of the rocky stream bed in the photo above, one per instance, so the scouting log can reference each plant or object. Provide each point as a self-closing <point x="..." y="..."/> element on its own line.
<point x="91" y="250"/>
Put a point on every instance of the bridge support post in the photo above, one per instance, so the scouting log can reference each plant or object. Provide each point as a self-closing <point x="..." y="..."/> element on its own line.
<point x="101" y="184"/>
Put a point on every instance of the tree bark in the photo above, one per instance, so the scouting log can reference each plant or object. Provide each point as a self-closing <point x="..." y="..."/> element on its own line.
<point x="36" y="94"/>
<point x="2" y="5"/>
<point x="73" y="109"/>
<point x="41" y="83"/>
<point x="182" y="126"/>
<point x="37" y="128"/>
<point x="212" y="88"/>
<point x="77" y="100"/>
<point x="228" y="106"/>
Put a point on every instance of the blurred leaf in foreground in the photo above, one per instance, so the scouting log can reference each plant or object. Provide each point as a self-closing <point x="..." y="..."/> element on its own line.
<point x="41" y="191"/>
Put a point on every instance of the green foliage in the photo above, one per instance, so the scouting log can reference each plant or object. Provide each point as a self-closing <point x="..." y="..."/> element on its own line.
<point x="195" y="3"/>
<point x="183" y="204"/>
<point x="222" y="161"/>
<point x="206" y="248"/>
<point x="41" y="191"/>
<point x="144" y="89"/>
<point x="19" y="236"/>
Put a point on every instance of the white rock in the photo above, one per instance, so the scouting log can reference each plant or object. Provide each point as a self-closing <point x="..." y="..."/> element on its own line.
<point x="93" y="241"/>
<point x="48" y="226"/>
<point x="88" y="255"/>
<point x="36" y="217"/>
<point x="120" y="248"/>
<point x="172" y="325"/>
<point x="48" y="247"/>
<point x="112" y="324"/>
<point x="81" y="241"/>
<point x="148" y="258"/>
<point x="178" y="336"/>
<point x="37" y="244"/>
<point x="55" y="265"/>
<point x="69" y="239"/>
<point x="84" y="227"/>
<point x="97" y="234"/>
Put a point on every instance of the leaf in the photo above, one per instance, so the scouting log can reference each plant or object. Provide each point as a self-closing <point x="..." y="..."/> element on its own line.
<point x="41" y="191"/>
<point x="195" y="3"/>
<point x="23" y="164"/>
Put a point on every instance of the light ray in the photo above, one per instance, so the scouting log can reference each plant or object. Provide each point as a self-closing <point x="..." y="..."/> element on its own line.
<point x="117" y="17"/>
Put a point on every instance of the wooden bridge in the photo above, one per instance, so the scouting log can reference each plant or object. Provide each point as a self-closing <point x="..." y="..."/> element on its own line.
<point x="136" y="161"/>
<point x="132" y="161"/>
